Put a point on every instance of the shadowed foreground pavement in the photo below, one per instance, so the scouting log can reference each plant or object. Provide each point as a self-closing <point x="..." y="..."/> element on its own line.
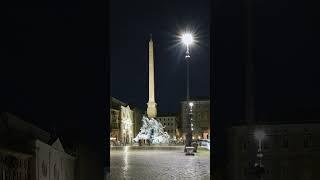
<point x="158" y="163"/>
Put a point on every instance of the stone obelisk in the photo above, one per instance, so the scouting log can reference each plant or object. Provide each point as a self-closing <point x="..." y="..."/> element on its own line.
<point x="152" y="105"/>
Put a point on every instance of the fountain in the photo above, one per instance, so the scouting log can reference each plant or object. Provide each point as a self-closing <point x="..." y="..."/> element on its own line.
<point x="153" y="131"/>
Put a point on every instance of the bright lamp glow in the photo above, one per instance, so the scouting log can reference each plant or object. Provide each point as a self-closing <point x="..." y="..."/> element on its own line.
<point x="190" y="104"/>
<point x="187" y="39"/>
<point x="259" y="134"/>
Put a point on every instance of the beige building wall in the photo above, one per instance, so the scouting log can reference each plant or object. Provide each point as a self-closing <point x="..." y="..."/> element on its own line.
<point x="124" y="122"/>
<point x="127" y="125"/>
<point x="137" y="116"/>
<point x="170" y="124"/>
<point x="52" y="163"/>
<point x="201" y="118"/>
<point x="115" y="124"/>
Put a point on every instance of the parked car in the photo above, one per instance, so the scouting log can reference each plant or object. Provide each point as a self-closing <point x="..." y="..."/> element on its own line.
<point x="204" y="142"/>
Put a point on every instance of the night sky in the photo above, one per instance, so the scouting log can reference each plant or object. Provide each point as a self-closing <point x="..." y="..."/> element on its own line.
<point x="54" y="66"/>
<point x="130" y="26"/>
<point x="286" y="55"/>
<point x="286" y="36"/>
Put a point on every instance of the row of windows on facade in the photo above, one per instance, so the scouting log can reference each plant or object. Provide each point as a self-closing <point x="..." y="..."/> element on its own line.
<point x="166" y="119"/>
<point x="18" y="163"/>
<point x="307" y="143"/>
<point x="169" y="130"/>
<point x="13" y="168"/>
<point x="168" y="124"/>
<point x="201" y="115"/>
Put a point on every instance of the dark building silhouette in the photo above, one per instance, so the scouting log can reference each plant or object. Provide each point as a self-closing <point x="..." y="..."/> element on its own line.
<point x="30" y="153"/>
<point x="290" y="151"/>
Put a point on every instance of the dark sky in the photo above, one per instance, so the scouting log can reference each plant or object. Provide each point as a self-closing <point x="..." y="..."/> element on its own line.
<point x="286" y="56"/>
<point x="287" y="47"/>
<point x="53" y="65"/>
<point x="131" y="23"/>
<point x="286" y="42"/>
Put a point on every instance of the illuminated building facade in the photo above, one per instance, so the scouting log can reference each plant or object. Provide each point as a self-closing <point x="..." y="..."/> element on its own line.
<point x="169" y="121"/>
<point x="126" y="127"/>
<point x="200" y="118"/>
<point x="124" y="122"/>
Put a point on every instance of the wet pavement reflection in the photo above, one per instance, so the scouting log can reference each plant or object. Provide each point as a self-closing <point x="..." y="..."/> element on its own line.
<point x="158" y="163"/>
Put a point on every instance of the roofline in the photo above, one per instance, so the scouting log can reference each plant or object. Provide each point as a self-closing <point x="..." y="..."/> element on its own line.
<point x="118" y="101"/>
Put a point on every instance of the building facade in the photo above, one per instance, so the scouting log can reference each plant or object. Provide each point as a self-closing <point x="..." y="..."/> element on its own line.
<point x="124" y="122"/>
<point x="127" y="124"/>
<point x="200" y="118"/>
<point x="169" y="122"/>
<point x="137" y="119"/>
<point x="28" y="153"/>
<point x="52" y="162"/>
<point x="290" y="151"/>
<point x="115" y="124"/>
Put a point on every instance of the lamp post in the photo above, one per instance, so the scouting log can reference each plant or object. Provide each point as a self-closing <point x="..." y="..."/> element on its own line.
<point x="187" y="40"/>
<point x="259" y="135"/>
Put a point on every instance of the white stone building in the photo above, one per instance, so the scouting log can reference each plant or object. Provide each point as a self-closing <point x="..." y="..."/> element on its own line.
<point x="52" y="162"/>
<point x="122" y="122"/>
<point x="27" y="153"/>
<point x="126" y="129"/>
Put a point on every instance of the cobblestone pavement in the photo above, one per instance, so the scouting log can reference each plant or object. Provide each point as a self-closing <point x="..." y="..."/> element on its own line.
<point x="158" y="164"/>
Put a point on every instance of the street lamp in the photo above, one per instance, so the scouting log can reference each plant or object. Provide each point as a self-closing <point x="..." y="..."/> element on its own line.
<point x="259" y="135"/>
<point x="187" y="40"/>
<point x="191" y="104"/>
